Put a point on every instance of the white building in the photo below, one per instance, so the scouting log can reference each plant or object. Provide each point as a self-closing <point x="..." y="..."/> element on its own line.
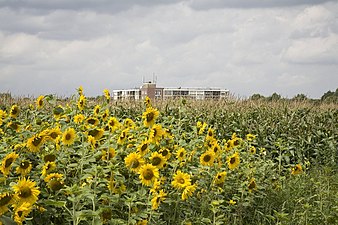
<point x="149" y="89"/>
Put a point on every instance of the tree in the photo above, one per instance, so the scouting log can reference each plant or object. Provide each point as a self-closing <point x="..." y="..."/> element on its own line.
<point x="300" y="97"/>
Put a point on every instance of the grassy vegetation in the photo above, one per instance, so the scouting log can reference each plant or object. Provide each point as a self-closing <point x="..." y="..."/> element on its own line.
<point x="222" y="162"/>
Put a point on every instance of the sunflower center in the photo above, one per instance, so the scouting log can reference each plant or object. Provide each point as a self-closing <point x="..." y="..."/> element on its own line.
<point x="150" y="116"/>
<point x="91" y="121"/>
<point x="25" y="192"/>
<point x="111" y="123"/>
<point x="135" y="163"/>
<point x="49" y="158"/>
<point x="219" y="177"/>
<point x="24" y="165"/>
<point x="236" y="142"/>
<point x="144" y="147"/>
<point x="156" y="161"/>
<point x="68" y="136"/>
<point x="164" y="152"/>
<point x="36" y="141"/>
<point x="207" y="158"/>
<point x="9" y="162"/>
<point x="210" y="133"/>
<point x="14" y="111"/>
<point x="5" y="200"/>
<point x="93" y="132"/>
<point x="55" y="185"/>
<point x="252" y="185"/>
<point x="180" y="180"/>
<point x="53" y="135"/>
<point x="148" y="174"/>
<point x="232" y="160"/>
<point x="155" y="132"/>
<point x="181" y="154"/>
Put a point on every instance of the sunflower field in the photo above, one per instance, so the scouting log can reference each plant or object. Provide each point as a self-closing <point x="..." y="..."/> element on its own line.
<point x="96" y="161"/>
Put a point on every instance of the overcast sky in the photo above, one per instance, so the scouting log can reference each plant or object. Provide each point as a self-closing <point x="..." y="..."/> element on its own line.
<point x="246" y="46"/>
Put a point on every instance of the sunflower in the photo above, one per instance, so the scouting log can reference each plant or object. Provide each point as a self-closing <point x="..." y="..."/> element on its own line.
<point x="105" y="115"/>
<point x="148" y="174"/>
<point x="297" y="169"/>
<point x="157" y="199"/>
<point x="116" y="187"/>
<point x="220" y="178"/>
<point x="106" y="214"/>
<point x="113" y="124"/>
<point x="68" y="137"/>
<point x="252" y="185"/>
<point x="78" y="118"/>
<point x="14" y="112"/>
<point x="81" y="102"/>
<point x="207" y="158"/>
<point x="39" y="101"/>
<point x="142" y="222"/>
<point x="201" y="127"/>
<point x="156" y="133"/>
<point x="233" y="161"/>
<point x="48" y="167"/>
<point x="14" y="125"/>
<point x="107" y="155"/>
<point x="181" y="154"/>
<point x="24" y="168"/>
<point x="80" y="90"/>
<point x="165" y="152"/>
<point x="54" y="181"/>
<point x="149" y="116"/>
<point x="134" y="161"/>
<point x="157" y="160"/>
<point x="250" y="137"/>
<point x="92" y="121"/>
<point x="210" y="134"/>
<point x="5" y="200"/>
<point x="143" y="148"/>
<point x="181" y="180"/>
<point x="57" y="112"/>
<point x="129" y="123"/>
<point x="26" y="191"/>
<point x="188" y="191"/>
<point x="216" y="148"/>
<point x="96" y="133"/>
<point x="21" y="211"/>
<point x="252" y="150"/>
<point x="3" y="114"/>
<point x="51" y="134"/>
<point x="147" y="102"/>
<point x="7" y="163"/>
<point x="49" y="158"/>
<point x="106" y="94"/>
<point x="123" y="136"/>
<point x="92" y="141"/>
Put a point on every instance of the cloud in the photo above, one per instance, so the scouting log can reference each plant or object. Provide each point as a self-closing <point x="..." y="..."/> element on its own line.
<point x="54" y="47"/>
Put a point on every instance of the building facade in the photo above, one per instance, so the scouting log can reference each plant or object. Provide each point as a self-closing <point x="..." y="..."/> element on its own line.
<point x="149" y="89"/>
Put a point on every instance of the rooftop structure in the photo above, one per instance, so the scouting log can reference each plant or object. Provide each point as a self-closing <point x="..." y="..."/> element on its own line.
<point x="149" y="89"/>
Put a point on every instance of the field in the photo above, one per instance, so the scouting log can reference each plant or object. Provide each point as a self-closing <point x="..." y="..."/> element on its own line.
<point x="97" y="161"/>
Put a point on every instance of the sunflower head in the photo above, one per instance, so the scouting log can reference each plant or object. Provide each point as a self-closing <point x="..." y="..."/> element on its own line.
<point x="39" y="101"/>
<point x="148" y="174"/>
<point x="68" y="137"/>
<point x="81" y="102"/>
<point x="181" y="180"/>
<point x="134" y="161"/>
<point x="181" y="154"/>
<point x="26" y="191"/>
<point x="7" y="163"/>
<point x="252" y="185"/>
<point x="34" y="143"/>
<point x="113" y="124"/>
<point x="14" y="112"/>
<point x="24" y="168"/>
<point x="297" y="169"/>
<point x="157" y="160"/>
<point x="5" y="200"/>
<point x="220" y="178"/>
<point x="156" y="133"/>
<point x="149" y="116"/>
<point x="233" y="161"/>
<point x="106" y="94"/>
<point x="207" y="158"/>
<point x="143" y="148"/>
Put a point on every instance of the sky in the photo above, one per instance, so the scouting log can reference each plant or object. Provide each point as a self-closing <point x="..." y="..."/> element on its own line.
<point x="246" y="46"/>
